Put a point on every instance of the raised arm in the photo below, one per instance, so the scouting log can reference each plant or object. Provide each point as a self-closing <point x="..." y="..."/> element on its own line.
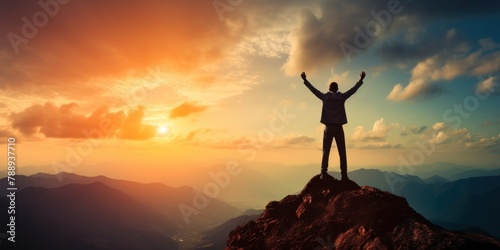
<point x="316" y="92"/>
<point x="356" y="87"/>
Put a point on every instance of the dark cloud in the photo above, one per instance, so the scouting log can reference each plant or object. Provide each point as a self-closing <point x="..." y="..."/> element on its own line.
<point x="426" y="9"/>
<point x="318" y="40"/>
<point x="63" y="122"/>
<point x="421" y="45"/>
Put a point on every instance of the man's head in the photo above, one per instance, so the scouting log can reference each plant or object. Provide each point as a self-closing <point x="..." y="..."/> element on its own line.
<point x="334" y="87"/>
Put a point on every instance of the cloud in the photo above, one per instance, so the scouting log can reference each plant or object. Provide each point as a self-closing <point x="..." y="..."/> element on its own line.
<point x="220" y="139"/>
<point x="379" y="145"/>
<point x="376" y="137"/>
<point x="87" y="45"/>
<point x="298" y="140"/>
<point x="51" y="121"/>
<point x="92" y="49"/>
<point x="413" y="130"/>
<point x="316" y="42"/>
<point x="418" y="44"/>
<point x="486" y="86"/>
<point x="415" y="90"/>
<point x="325" y="25"/>
<point x="186" y="109"/>
<point x="439" y="138"/>
<point x="443" y="66"/>
<point x="439" y="126"/>
<point x="459" y="139"/>
<point x="5" y="134"/>
<point x="429" y="10"/>
<point x="132" y="127"/>
<point x="379" y="132"/>
<point x="194" y="133"/>
<point x="484" y="142"/>
<point x="488" y="44"/>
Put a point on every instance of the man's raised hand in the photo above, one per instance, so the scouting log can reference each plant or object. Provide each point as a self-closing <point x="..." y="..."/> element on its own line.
<point x="362" y="75"/>
<point x="303" y="75"/>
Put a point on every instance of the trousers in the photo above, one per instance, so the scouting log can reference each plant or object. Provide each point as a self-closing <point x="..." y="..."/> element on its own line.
<point x="334" y="131"/>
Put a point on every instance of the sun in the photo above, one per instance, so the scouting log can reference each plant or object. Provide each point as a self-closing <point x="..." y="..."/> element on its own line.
<point x="162" y="130"/>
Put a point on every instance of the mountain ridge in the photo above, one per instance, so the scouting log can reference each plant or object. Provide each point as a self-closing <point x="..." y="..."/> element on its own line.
<point x="164" y="199"/>
<point x="86" y="216"/>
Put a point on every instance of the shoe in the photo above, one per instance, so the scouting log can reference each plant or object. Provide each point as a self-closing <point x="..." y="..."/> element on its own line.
<point x="323" y="175"/>
<point x="344" y="177"/>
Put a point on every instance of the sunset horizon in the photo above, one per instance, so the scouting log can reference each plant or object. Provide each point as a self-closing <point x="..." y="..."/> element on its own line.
<point x="201" y="94"/>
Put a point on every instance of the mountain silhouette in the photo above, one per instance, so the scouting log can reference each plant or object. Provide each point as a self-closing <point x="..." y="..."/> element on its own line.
<point x="215" y="239"/>
<point x="158" y="197"/>
<point x="86" y="216"/>
<point x="332" y="214"/>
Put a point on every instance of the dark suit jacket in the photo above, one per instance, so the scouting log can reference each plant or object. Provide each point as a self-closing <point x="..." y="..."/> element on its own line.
<point x="333" y="103"/>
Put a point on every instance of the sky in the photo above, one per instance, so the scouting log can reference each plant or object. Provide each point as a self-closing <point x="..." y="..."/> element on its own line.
<point x="144" y="89"/>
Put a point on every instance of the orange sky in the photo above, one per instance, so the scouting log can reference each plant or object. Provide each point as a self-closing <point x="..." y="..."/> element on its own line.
<point x="143" y="89"/>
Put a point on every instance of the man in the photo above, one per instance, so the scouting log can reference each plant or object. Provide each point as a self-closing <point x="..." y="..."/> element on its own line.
<point x="333" y="116"/>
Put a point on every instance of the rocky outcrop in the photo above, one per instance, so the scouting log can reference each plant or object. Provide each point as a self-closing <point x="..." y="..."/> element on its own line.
<point x="333" y="214"/>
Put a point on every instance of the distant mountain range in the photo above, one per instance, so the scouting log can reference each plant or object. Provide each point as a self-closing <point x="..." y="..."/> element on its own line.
<point x="216" y="238"/>
<point x="446" y="170"/>
<point x="77" y="212"/>
<point x="466" y="203"/>
<point x="99" y="208"/>
<point x="162" y="199"/>
<point x="86" y="216"/>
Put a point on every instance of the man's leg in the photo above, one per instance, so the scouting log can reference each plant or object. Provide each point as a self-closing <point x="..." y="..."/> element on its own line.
<point x="327" y="144"/>
<point x="340" y="141"/>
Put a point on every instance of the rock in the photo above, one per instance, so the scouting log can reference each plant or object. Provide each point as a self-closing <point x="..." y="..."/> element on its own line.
<point x="333" y="214"/>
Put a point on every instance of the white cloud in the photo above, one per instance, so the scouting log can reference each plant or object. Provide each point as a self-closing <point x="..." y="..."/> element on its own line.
<point x="439" y="126"/>
<point x="374" y="138"/>
<point x="486" y="86"/>
<point x="439" y="138"/>
<point x="419" y="86"/>
<point x="446" y="65"/>
<point x="298" y="140"/>
<point x="379" y="145"/>
<point x="377" y="133"/>
<point x="484" y="142"/>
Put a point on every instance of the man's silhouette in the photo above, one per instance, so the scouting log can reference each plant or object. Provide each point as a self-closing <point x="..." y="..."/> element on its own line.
<point x="333" y="116"/>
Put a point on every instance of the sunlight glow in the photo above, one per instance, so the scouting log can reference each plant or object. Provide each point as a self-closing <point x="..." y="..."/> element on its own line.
<point x="162" y="130"/>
